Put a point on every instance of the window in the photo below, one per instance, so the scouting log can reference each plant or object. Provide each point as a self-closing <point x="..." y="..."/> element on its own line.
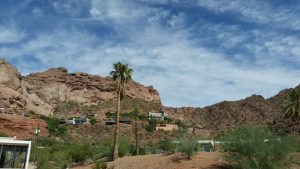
<point x="12" y="156"/>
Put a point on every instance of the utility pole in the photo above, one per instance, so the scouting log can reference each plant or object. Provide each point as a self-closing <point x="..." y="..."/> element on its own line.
<point x="36" y="132"/>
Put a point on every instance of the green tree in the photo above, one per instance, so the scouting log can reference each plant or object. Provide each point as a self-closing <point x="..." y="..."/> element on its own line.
<point x="292" y="105"/>
<point x="121" y="74"/>
<point x="135" y="116"/>
<point x="188" y="145"/>
<point x="257" y="148"/>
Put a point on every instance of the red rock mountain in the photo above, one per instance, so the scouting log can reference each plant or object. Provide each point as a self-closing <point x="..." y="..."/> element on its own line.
<point x="254" y="110"/>
<point x="42" y="92"/>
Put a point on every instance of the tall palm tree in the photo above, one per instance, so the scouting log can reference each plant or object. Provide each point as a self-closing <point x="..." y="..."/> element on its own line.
<point x="292" y="105"/>
<point x="121" y="74"/>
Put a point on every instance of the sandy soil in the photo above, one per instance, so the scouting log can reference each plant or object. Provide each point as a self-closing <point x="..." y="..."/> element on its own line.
<point x="211" y="160"/>
<point x="173" y="161"/>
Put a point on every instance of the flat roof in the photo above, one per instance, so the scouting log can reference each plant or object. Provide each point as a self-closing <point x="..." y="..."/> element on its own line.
<point x="12" y="141"/>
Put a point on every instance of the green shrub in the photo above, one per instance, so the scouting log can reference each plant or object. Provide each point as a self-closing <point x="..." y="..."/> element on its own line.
<point x="105" y="148"/>
<point x="124" y="146"/>
<point x="79" y="153"/>
<point x="168" y="119"/>
<point x="257" y="148"/>
<point x="54" y="127"/>
<point x="109" y="114"/>
<point x="93" y="121"/>
<point x="188" y="145"/>
<point x="167" y="146"/>
<point x="181" y="124"/>
<point x="142" y="151"/>
<point x="100" y="165"/>
<point x="42" y="158"/>
<point x="151" y="126"/>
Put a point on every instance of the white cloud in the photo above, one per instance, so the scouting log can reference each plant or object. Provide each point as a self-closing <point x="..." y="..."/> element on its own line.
<point x="9" y="33"/>
<point x="172" y="58"/>
<point x="257" y="11"/>
<point x="116" y="11"/>
<point x="38" y="12"/>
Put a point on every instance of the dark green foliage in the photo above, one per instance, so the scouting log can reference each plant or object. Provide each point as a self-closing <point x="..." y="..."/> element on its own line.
<point x="151" y="126"/>
<point x="79" y="153"/>
<point x="54" y="127"/>
<point x="167" y="146"/>
<point x="292" y="105"/>
<point x="109" y="114"/>
<point x="93" y="121"/>
<point x="181" y="124"/>
<point x="188" y="145"/>
<point x="257" y="148"/>
<point x="57" y="155"/>
<point x="142" y="151"/>
<point x="106" y="147"/>
<point x="100" y="165"/>
<point x="43" y="157"/>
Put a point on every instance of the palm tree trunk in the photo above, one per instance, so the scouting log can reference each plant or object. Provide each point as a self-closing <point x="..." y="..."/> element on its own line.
<point x="136" y="137"/>
<point x="117" y="119"/>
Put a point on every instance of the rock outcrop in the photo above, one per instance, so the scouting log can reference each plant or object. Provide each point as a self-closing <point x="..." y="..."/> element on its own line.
<point x="42" y="92"/>
<point x="9" y="76"/>
<point x="22" y="127"/>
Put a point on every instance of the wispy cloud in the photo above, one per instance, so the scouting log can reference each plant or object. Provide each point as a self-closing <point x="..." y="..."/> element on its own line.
<point x="191" y="63"/>
<point x="265" y="12"/>
<point x="9" y="33"/>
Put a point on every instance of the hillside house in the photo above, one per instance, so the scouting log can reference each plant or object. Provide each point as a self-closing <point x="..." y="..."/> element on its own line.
<point x="78" y="120"/>
<point x="157" y="115"/>
<point x="166" y="127"/>
<point x="123" y="120"/>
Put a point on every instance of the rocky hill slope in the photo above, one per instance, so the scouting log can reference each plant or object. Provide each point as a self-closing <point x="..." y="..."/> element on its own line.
<point x="43" y="92"/>
<point x="254" y="110"/>
<point x="58" y="92"/>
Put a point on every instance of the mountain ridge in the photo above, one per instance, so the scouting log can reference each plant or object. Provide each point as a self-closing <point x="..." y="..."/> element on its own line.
<point x="52" y="90"/>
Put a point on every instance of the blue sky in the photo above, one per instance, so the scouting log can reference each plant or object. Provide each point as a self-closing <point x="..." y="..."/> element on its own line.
<point x="196" y="52"/>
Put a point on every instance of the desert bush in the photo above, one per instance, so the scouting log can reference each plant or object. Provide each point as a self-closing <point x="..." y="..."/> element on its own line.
<point x="105" y="148"/>
<point x="188" y="145"/>
<point x="167" y="146"/>
<point x="54" y="127"/>
<point x="79" y="153"/>
<point x="142" y="151"/>
<point x="151" y="126"/>
<point x="93" y="121"/>
<point x="43" y="157"/>
<point x="100" y="165"/>
<point x="181" y="124"/>
<point x="257" y="148"/>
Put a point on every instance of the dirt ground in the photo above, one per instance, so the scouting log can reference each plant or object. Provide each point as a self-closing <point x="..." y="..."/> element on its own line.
<point x="173" y="161"/>
<point x="203" y="160"/>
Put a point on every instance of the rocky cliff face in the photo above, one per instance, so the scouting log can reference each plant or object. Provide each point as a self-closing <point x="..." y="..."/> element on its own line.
<point x="42" y="92"/>
<point x="21" y="127"/>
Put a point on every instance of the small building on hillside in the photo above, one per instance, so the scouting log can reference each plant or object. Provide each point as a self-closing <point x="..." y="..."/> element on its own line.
<point x="166" y="127"/>
<point x="78" y="120"/>
<point x="122" y="120"/>
<point x="157" y="115"/>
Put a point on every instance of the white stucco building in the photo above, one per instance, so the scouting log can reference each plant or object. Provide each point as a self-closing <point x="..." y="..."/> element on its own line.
<point x="14" y="153"/>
